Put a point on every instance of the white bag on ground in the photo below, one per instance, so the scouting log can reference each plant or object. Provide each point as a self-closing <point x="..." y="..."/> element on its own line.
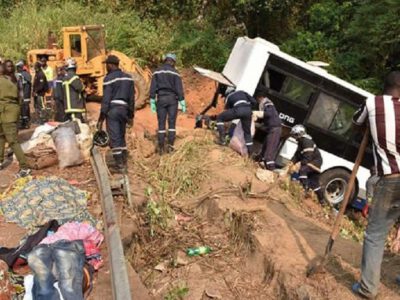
<point x="237" y="142"/>
<point x="67" y="147"/>
<point x="41" y="135"/>
<point x="85" y="140"/>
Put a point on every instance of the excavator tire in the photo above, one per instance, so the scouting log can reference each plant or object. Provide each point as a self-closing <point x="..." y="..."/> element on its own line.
<point x="141" y="90"/>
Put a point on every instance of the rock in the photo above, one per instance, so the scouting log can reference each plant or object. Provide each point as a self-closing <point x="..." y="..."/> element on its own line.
<point x="161" y="266"/>
<point x="265" y="175"/>
<point x="181" y="259"/>
<point x="213" y="293"/>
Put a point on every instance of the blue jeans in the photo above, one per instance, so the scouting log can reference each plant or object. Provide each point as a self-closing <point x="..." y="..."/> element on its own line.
<point x="62" y="261"/>
<point x="384" y="211"/>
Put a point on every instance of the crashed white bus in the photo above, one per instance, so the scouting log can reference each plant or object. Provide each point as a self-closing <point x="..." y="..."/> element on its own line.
<point x="303" y="94"/>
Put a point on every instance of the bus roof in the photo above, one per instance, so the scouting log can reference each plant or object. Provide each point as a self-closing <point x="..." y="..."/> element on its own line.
<point x="247" y="62"/>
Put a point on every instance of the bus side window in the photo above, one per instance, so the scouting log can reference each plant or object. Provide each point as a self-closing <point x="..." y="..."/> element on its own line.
<point x="333" y="115"/>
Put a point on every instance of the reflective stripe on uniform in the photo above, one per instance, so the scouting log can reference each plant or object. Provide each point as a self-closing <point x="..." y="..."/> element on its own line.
<point x="249" y="144"/>
<point x="166" y="72"/>
<point x="171" y="129"/>
<point x="240" y="102"/>
<point x="118" y="79"/>
<point x="220" y="123"/>
<point x="270" y="162"/>
<point x="162" y="131"/>
<point x="121" y="102"/>
<point x="69" y="109"/>
<point x="308" y="150"/>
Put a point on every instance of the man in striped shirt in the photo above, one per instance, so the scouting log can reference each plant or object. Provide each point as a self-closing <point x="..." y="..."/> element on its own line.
<point x="382" y="113"/>
<point x="166" y="90"/>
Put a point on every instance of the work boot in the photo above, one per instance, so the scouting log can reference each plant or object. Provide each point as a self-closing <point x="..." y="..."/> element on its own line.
<point x="23" y="173"/>
<point x="170" y="148"/>
<point x="125" y="157"/>
<point x="120" y="167"/>
<point x="160" y="150"/>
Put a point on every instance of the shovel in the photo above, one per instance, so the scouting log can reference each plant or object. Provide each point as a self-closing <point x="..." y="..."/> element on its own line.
<point x="319" y="262"/>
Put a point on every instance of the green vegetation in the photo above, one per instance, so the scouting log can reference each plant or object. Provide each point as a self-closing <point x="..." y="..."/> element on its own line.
<point x="359" y="38"/>
<point x="177" y="292"/>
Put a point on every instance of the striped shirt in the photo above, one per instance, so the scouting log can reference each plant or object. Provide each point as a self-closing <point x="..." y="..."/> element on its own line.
<point x="383" y="113"/>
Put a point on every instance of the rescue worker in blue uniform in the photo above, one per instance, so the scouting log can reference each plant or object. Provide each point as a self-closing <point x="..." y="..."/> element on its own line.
<point x="310" y="160"/>
<point x="273" y="128"/>
<point x="117" y="108"/>
<point x="26" y="80"/>
<point x="238" y="105"/>
<point x="58" y="94"/>
<point x="74" y="101"/>
<point x="166" y="90"/>
<point x="39" y="89"/>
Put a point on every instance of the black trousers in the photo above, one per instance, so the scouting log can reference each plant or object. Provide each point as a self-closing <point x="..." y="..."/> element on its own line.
<point x="60" y="110"/>
<point x="309" y="178"/>
<point x="270" y="147"/>
<point x="26" y="112"/>
<point x="167" y="107"/>
<point x="243" y="113"/>
<point x="116" y="121"/>
<point x="39" y="103"/>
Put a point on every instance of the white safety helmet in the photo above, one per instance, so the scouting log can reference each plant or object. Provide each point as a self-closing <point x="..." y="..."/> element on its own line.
<point x="70" y="63"/>
<point x="298" y="131"/>
<point x="229" y="90"/>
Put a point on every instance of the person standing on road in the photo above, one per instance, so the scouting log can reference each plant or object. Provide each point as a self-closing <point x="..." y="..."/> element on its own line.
<point x="382" y="115"/>
<point x="74" y="101"/>
<point x="39" y="89"/>
<point x="273" y="127"/>
<point x="238" y="105"/>
<point x="26" y="80"/>
<point x="166" y="90"/>
<point x="58" y="95"/>
<point x="9" y="116"/>
<point x="117" y="108"/>
<point x="310" y="160"/>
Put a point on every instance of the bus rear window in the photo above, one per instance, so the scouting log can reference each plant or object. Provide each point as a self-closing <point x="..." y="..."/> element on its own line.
<point x="333" y="115"/>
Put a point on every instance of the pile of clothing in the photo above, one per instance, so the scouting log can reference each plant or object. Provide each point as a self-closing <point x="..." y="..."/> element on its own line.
<point x="63" y="248"/>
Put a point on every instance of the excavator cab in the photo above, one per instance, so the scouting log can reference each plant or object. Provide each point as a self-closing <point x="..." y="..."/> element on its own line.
<point x="86" y="45"/>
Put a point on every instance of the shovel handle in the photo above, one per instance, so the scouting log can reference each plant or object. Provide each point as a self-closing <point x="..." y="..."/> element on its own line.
<point x="349" y="189"/>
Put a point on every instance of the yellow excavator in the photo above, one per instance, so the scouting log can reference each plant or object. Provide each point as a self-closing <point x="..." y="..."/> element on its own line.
<point x="86" y="44"/>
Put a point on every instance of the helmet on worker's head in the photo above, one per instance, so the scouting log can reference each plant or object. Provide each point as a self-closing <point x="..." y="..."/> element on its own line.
<point x="20" y="64"/>
<point x="70" y="63"/>
<point x="298" y="131"/>
<point x="229" y="90"/>
<point x="171" y="56"/>
<point x="100" y="138"/>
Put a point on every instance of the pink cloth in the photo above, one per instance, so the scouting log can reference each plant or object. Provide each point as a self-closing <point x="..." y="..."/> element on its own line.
<point x="91" y="237"/>
<point x="72" y="231"/>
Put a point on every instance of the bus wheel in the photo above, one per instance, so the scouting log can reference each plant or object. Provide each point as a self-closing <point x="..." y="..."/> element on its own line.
<point x="334" y="183"/>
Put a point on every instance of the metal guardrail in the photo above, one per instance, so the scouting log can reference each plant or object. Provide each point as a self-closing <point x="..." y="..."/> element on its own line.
<point x="119" y="274"/>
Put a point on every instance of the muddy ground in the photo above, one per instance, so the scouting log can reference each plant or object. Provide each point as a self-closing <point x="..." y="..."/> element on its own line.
<point x="262" y="236"/>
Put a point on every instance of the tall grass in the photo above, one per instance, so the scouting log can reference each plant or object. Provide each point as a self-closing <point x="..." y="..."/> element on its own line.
<point x="26" y="26"/>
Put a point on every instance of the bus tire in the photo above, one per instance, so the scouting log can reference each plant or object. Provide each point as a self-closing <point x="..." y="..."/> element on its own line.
<point x="333" y="183"/>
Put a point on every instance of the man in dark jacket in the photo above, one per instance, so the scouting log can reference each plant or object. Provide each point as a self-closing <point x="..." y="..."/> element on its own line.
<point x="310" y="160"/>
<point x="117" y="108"/>
<point x="166" y="91"/>
<point x="273" y="127"/>
<point x="74" y="102"/>
<point x="238" y="105"/>
<point x="58" y="94"/>
<point x="40" y="87"/>
<point x="26" y="80"/>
